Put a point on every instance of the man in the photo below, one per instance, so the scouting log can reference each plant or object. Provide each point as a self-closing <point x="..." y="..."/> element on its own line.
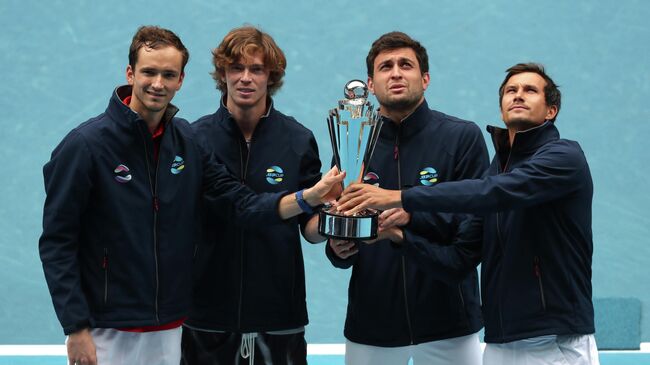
<point x="396" y="311"/>
<point x="119" y="222"/>
<point x="249" y="294"/>
<point x="537" y="250"/>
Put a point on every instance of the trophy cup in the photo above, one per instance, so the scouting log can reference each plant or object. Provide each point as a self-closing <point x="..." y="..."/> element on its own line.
<point x="354" y="128"/>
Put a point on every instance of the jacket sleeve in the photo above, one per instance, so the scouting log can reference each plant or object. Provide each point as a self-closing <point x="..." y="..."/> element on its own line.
<point x="310" y="174"/>
<point x="471" y="162"/>
<point x="68" y="184"/>
<point x="219" y="187"/>
<point x="556" y="170"/>
<point x="449" y="263"/>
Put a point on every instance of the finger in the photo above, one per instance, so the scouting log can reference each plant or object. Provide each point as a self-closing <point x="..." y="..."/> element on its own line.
<point x="351" y="194"/>
<point x="353" y="187"/>
<point x="353" y="206"/>
<point x="388" y="212"/>
<point x="351" y="252"/>
<point x="388" y="222"/>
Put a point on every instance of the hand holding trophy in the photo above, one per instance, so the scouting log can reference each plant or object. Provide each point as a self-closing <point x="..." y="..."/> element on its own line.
<point x="353" y="128"/>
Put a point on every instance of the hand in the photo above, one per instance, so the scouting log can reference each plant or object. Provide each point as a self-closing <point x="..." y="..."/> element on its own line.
<point x="81" y="348"/>
<point x="358" y="197"/>
<point x="328" y="188"/>
<point x="394" y="217"/>
<point x="392" y="233"/>
<point x="343" y="249"/>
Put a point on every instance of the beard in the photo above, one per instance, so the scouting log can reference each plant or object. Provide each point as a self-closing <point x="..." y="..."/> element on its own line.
<point x="407" y="103"/>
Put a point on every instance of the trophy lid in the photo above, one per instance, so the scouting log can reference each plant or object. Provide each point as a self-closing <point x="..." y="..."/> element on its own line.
<point x="355" y="89"/>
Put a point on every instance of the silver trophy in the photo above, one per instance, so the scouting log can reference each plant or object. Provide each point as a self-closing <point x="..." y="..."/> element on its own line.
<point x="354" y="128"/>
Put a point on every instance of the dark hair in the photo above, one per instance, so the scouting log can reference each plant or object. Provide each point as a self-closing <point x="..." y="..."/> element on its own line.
<point x="154" y="37"/>
<point x="245" y="42"/>
<point x="395" y="40"/>
<point x="552" y="94"/>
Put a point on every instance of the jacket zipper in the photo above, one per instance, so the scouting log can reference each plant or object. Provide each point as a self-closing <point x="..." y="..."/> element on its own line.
<point x="105" y="267"/>
<point x="499" y="237"/>
<point x="399" y="186"/>
<point x="242" y="178"/>
<point x="156" y="206"/>
<point x="538" y="274"/>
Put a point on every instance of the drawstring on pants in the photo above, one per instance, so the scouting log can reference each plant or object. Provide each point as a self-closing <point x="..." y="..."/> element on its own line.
<point x="248" y="346"/>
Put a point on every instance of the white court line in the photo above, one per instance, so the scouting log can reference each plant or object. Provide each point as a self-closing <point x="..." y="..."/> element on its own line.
<point x="32" y="350"/>
<point x="312" y="349"/>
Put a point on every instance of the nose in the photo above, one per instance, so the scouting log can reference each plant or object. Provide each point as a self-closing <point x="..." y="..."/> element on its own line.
<point x="246" y="75"/>
<point x="395" y="72"/>
<point x="519" y="95"/>
<point x="157" y="82"/>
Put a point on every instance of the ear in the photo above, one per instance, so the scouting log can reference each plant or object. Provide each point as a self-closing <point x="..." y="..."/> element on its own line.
<point x="551" y="112"/>
<point x="371" y="85"/>
<point x="426" y="79"/>
<point x="130" y="74"/>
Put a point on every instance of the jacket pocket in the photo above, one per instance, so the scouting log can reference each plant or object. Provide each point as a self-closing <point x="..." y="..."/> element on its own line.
<point x="537" y="269"/>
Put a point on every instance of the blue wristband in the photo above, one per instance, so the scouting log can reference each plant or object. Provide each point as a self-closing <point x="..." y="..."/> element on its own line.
<point x="302" y="203"/>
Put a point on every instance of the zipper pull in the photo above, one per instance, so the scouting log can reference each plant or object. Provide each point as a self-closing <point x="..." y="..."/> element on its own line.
<point x="156" y="205"/>
<point x="105" y="260"/>
<point x="395" y="153"/>
<point x="538" y="272"/>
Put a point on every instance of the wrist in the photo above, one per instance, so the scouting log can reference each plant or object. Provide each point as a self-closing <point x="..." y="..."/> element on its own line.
<point x="301" y="197"/>
<point x="398" y="236"/>
<point x="311" y="198"/>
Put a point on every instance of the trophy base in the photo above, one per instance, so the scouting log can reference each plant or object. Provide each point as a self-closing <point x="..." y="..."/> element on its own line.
<point x="335" y="225"/>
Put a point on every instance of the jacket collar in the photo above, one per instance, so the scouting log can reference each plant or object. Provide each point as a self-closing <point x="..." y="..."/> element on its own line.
<point x="122" y="114"/>
<point x="410" y="125"/>
<point x="229" y="122"/>
<point x="525" y="141"/>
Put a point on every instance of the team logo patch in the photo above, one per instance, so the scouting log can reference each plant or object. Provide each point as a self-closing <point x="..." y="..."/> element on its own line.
<point x="428" y="176"/>
<point x="371" y="178"/>
<point x="122" y="174"/>
<point x="178" y="165"/>
<point x="274" y="175"/>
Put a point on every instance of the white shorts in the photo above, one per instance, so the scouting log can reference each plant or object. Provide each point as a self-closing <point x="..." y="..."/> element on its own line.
<point x="544" y="350"/>
<point x="116" y="347"/>
<point x="464" y="350"/>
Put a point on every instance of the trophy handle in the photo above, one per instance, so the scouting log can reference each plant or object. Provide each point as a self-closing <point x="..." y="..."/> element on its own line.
<point x="333" y="138"/>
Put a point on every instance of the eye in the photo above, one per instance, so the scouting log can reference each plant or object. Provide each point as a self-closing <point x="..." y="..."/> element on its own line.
<point x="169" y="75"/>
<point x="237" y="68"/>
<point x="257" y="69"/>
<point x="385" y="66"/>
<point x="148" y="72"/>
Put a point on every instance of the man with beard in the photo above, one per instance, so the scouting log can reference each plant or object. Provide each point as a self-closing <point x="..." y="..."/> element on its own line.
<point x="537" y="243"/>
<point x="396" y="310"/>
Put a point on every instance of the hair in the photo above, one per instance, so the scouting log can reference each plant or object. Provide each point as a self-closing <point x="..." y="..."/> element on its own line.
<point x="395" y="40"/>
<point x="552" y="94"/>
<point x="154" y="37"/>
<point x="246" y="42"/>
